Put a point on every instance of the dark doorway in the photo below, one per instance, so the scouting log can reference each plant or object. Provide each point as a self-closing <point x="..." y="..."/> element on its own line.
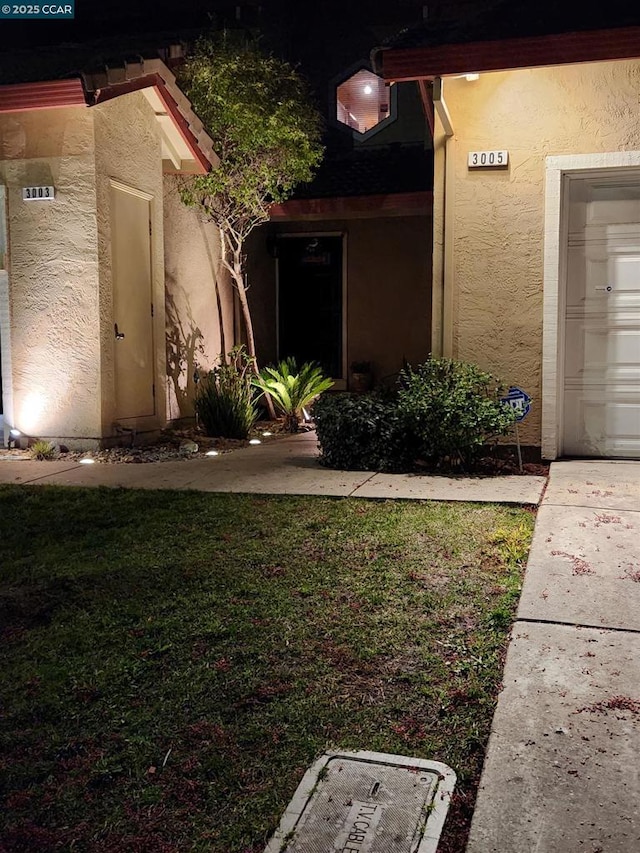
<point x="310" y="297"/>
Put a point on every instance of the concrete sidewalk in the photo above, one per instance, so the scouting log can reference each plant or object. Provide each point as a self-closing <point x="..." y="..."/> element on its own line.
<point x="562" y="768"/>
<point x="287" y="466"/>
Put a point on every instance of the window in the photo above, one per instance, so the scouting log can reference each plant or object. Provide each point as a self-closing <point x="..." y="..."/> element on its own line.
<point x="363" y="102"/>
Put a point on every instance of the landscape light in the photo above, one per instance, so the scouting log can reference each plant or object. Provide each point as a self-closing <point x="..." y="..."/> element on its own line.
<point x="212" y="453"/>
<point x="15" y="433"/>
<point x="267" y="434"/>
<point x="87" y="461"/>
<point x="255" y="441"/>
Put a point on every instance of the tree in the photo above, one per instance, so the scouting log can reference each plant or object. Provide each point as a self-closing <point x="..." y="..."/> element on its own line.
<point x="266" y="132"/>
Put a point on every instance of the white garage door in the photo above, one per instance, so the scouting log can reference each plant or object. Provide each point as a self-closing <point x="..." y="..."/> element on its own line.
<point x="602" y="319"/>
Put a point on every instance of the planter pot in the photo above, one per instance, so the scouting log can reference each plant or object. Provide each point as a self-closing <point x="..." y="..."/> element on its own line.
<point x="361" y="382"/>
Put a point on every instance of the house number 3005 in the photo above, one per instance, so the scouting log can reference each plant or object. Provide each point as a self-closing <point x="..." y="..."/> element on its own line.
<point x="488" y="159"/>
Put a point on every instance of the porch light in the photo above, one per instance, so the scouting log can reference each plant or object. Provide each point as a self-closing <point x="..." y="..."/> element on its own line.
<point x="212" y="453"/>
<point x="368" y="90"/>
<point x="471" y="77"/>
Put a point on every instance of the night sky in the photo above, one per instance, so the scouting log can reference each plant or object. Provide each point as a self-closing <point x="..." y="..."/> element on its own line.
<point x="290" y="23"/>
<point x="99" y="19"/>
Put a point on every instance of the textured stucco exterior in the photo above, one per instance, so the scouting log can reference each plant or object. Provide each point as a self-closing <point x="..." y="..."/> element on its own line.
<point x="56" y="295"/>
<point x="53" y="271"/>
<point x="387" y="281"/>
<point x="129" y="150"/>
<point x="489" y="224"/>
<point x="199" y="300"/>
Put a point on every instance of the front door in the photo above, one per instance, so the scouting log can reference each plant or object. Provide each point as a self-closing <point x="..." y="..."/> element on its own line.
<point x="310" y="299"/>
<point x="602" y="319"/>
<point x="132" y="303"/>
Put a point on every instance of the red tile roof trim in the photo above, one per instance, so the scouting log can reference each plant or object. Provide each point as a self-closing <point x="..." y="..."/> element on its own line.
<point x="560" y="49"/>
<point x="371" y="205"/>
<point x="144" y="82"/>
<point x="179" y="119"/>
<point x="42" y="96"/>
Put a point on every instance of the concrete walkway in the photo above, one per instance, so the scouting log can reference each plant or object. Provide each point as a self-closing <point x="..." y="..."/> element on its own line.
<point x="562" y="768"/>
<point x="287" y="466"/>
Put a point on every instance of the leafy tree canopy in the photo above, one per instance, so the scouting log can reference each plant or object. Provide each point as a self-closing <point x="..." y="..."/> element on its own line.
<point x="264" y="126"/>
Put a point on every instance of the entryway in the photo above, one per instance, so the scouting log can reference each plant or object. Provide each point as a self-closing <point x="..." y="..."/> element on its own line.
<point x="591" y="346"/>
<point x="311" y="300"/>
<point x="602" y="318"/>
<point x="132" y="304"/>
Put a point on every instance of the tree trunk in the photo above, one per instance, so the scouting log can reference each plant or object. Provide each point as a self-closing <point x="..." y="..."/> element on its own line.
<point x="235" y="268"/>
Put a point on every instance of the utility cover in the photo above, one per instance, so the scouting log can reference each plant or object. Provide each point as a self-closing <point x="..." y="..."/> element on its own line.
<point x="366" y="802"/>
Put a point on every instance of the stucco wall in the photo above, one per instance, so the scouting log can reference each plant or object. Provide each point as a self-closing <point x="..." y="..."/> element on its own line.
<point x="53" y="271"/>
<point x="199" y="299"/>
<point x="388" y="288"/>
<point x="128" y="149"/>
<point x="494" y="234"/>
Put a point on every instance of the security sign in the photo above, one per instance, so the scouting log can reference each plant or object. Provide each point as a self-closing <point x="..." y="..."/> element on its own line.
<point x="519" y="401"/>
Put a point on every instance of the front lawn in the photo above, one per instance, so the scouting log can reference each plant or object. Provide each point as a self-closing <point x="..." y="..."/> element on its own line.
<point x="172" y="662"/>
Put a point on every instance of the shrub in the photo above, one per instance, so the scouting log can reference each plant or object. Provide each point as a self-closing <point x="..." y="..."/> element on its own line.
<point x="360" y="432"/>
<point x="450" y="410"/>
<point x="292" y="389"/>
<point x="224" y="398"/>
<point x="42" y="450"/>
<point x="440" y="416"/>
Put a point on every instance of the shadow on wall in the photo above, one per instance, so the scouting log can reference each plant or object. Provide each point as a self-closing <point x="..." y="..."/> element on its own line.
<point x="217" y="271"/>
<point x="185" y="346"/>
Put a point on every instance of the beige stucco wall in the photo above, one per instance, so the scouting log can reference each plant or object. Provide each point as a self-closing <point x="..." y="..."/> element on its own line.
<point x="128" y="150"/>
<point x="388" y="276"/>
<point x="53" y="271"/>
<point x="491" y="258"/>
<point x="199" y="299"/>
<point x="58" y="298"/>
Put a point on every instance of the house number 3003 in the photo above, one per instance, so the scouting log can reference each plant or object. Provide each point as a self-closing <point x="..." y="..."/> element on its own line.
<point x="38" y="193"/>
<point x="488" y="159"/>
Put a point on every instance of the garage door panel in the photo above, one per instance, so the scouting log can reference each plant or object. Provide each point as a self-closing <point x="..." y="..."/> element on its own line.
<point x="601" y="423"/>
<point x="602" y="353"/>
<point x="594" y="268"/>
<point x="603" y="202"/>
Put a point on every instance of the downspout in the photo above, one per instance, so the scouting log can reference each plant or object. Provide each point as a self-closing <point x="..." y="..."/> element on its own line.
<point x="443" y="297"/>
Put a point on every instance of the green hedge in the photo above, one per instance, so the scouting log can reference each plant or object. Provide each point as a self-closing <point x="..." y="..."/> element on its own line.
<point x="360" y="432"/>
<point x="441" y="415"/>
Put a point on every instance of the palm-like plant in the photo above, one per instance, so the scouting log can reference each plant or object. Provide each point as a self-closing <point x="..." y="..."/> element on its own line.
<point x="224" y="398"/>
<point x="292" y="389"/>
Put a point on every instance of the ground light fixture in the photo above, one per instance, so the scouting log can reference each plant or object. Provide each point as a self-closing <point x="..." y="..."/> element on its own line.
<point x="14" y="435"/>
<point x="255" y="441"/>
<point x="87" y="461"/>
<point x="267" y="434"/>
<point x="212" y="453"/>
